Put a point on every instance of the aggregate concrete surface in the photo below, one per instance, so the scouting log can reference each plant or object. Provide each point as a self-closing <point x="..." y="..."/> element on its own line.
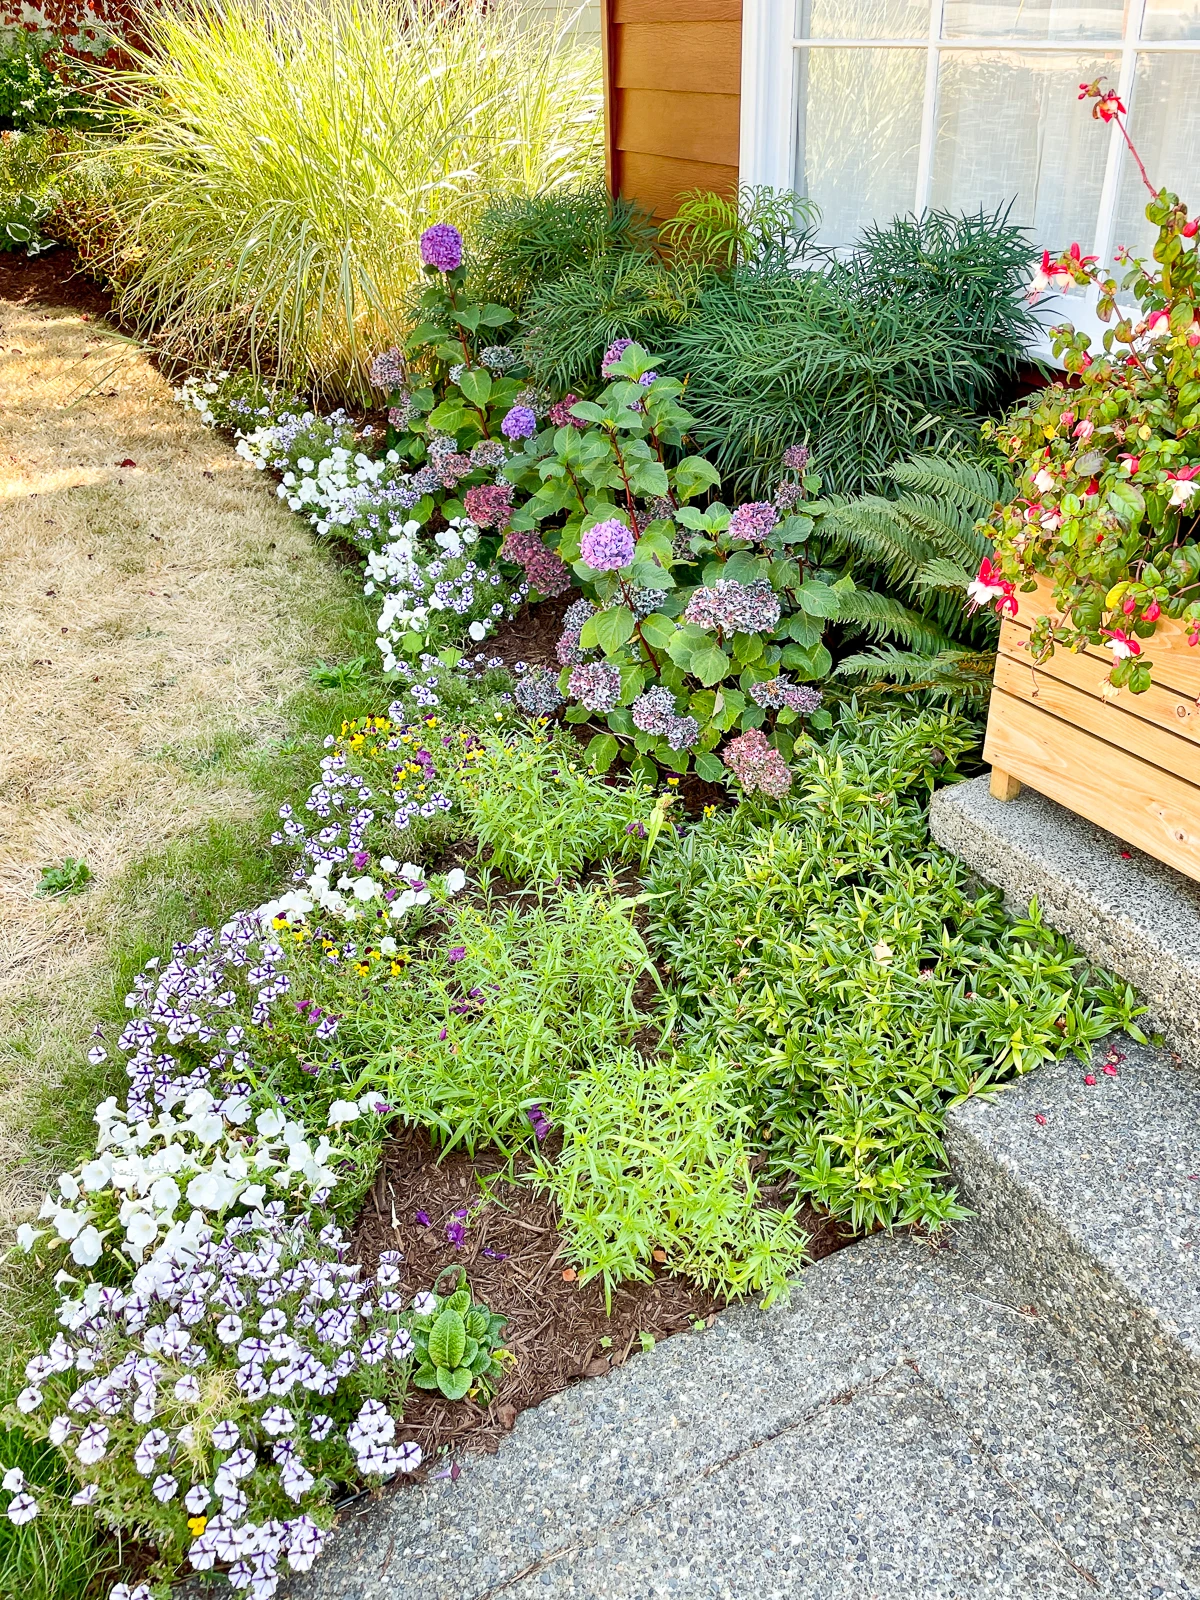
<point x="905" y="1427"/>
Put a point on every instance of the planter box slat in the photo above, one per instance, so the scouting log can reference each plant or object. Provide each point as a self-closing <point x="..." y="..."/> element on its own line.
<point x="1141" y="803"/>
<point x="1159" y="710"/>
<point x="1130" y="763"/>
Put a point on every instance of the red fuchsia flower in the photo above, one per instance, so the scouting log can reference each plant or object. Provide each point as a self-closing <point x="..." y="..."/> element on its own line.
<point x="1182" y="485"/>
<point x="1085" y="430"/>
<point x="1109" y="1070"/>
<point x="989" y="586"/>
<point x="1152" y="612"/>
<point x="1189" y="228"/>
<point x="1108" y="102"/>
<point x="1129" y="605"/>
<point x="1089" y="1078"/>
<point x="1067" y="418"/>
<point x="1130" y="463"/>
<point x="1040" y="1119"/>
<point x="1122" y="644"/>
<point x="1158" y="325"/>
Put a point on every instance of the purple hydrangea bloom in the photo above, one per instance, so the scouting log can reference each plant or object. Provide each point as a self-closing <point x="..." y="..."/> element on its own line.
<point x="612" y="355"/>
<point x="753" y="521"/>
<point x="795" y="457"/>
<point x="734" y="607"/>
<point x="607" y="546"/>
<point x="442" y="247"/>
<point x="520" y="423"/>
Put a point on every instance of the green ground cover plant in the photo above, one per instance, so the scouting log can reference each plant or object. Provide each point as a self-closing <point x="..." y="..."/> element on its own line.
<point x="853" y="980"/>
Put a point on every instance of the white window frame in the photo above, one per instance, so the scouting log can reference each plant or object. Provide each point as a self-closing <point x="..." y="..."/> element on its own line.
<point x="768" y="89"/>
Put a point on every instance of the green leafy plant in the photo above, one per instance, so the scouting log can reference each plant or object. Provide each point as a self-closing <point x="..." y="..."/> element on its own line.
<point x="656" y="1157"/>
<point x="912" y="553"/>
<point x="532" y="802"/>
<point x="22" y="217"/>
<point x="71" y="876"/>
<point x="38" y="89"/>
<point x="341" y="675"/>
<point x="273" y="158"/>
<point x="1106" y="464"/>
<point x="458" y="1343"/>
<point x="858" y="978"/>
<point x="761" y="226"/>
<point x="521" y="243"/>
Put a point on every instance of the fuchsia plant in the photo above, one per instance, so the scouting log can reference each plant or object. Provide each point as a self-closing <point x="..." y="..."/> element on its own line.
<point x="1108" y="461"/>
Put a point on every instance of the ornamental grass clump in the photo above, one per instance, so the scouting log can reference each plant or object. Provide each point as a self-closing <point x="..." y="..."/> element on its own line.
<point x="1108" y="469"/>
<point x="276" y="160"/>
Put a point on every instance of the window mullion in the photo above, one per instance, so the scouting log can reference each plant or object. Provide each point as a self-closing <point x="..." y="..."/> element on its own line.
<point x="1102" y="245"/>
<point x="929" y="110"/>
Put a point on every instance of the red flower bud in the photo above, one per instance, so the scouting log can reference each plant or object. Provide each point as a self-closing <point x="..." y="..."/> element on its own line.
<point x="1130" y="605"/>
<point x="1189" y="228"/>
<point x="1152" y="612"/>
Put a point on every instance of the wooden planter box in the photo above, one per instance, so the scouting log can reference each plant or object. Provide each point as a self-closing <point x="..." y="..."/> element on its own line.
<point x="1128" y="762"/>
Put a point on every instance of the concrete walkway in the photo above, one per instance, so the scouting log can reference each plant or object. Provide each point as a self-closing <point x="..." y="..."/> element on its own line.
<point x="904" y="1430"/>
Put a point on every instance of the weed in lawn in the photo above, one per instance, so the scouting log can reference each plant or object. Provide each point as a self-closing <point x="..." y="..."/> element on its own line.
<point x="71" y="876"/>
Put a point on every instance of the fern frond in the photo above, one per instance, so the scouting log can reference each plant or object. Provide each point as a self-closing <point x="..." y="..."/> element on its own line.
<point x="943" y="573"/>
<point x="878" y="614"/>
<point x="967" y="484"/>
<point x="946" y="674"/>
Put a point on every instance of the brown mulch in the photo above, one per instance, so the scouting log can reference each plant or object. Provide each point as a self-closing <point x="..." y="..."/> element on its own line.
<point x="517" y="1264"/>
<point x="53" y="278"/>
<point x="532" y="634"/>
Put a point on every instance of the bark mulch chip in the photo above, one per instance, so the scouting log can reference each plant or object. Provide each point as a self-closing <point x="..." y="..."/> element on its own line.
<point x="53" y="278"/>
<point x="517" y="1264"/>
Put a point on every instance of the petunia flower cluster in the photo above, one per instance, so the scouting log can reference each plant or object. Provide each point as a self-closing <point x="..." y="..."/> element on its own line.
<point x="228" y="1400"/>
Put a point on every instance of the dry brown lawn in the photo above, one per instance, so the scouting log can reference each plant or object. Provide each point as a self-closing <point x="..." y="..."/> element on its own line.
<point x="155" y="601"/>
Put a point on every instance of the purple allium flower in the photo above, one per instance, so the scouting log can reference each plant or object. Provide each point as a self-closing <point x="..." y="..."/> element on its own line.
<point x="607" y="546"/>
<point x="442" y="247"/>
<point x="778" y="692"/>
<point x="612" y="355"/>
<point x="520" y="423"/>
<point x="753" y="521"/>
<point x="596" y="685"/>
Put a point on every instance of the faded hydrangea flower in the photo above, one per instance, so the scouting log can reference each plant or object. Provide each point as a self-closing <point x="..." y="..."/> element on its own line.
<point x="499" y="357"/>
<point x="388" y="370"/>
<point x="731" y="607"/>
<point x="612" y="355"/>
<point x="537" y="693"/>
<point x="545" y="569"/>
<point x="753" y="521"/>
<point x="489" y="505"/>
<point x="757" y="766"/>
<point x="560" y="412"/>
<point x="778" y="693"/>
<point x="596" y="685"/>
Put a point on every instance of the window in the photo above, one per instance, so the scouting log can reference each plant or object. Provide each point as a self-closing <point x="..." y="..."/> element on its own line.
<point x="877" y="107"/>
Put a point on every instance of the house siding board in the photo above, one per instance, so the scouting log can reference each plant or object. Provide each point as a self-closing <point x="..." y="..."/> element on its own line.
<point x="672" y="82"/>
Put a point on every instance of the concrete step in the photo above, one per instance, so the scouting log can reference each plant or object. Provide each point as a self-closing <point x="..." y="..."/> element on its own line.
<point x="1089" y="1196"/>
<point x="906" y="1429"/>
<point x="1129" y="913"/>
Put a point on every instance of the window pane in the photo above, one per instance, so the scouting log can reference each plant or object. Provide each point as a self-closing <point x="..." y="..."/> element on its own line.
<point x="1164" y="124"/>
<point x="857" y="138"/>
<point x="1034" y="19"/>
<point x="1171" y="19"/>
<point x="862" y="19"/>
<point x="1009" y="128"/>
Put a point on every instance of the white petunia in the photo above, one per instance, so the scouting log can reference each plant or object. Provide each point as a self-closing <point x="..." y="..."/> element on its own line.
<point x="23" y="1508"/>
<point x="342" y="1111"/>
<point x="456" y="881"/>
<point x="13" y="1481"/>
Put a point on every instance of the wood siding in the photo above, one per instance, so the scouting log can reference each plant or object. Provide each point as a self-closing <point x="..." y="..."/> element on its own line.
<point x="1130" y="763"/>
<point x="672" y="78"/>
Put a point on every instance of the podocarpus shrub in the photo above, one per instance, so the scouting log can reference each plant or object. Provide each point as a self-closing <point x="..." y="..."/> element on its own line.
<point x="276" y="160"/>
